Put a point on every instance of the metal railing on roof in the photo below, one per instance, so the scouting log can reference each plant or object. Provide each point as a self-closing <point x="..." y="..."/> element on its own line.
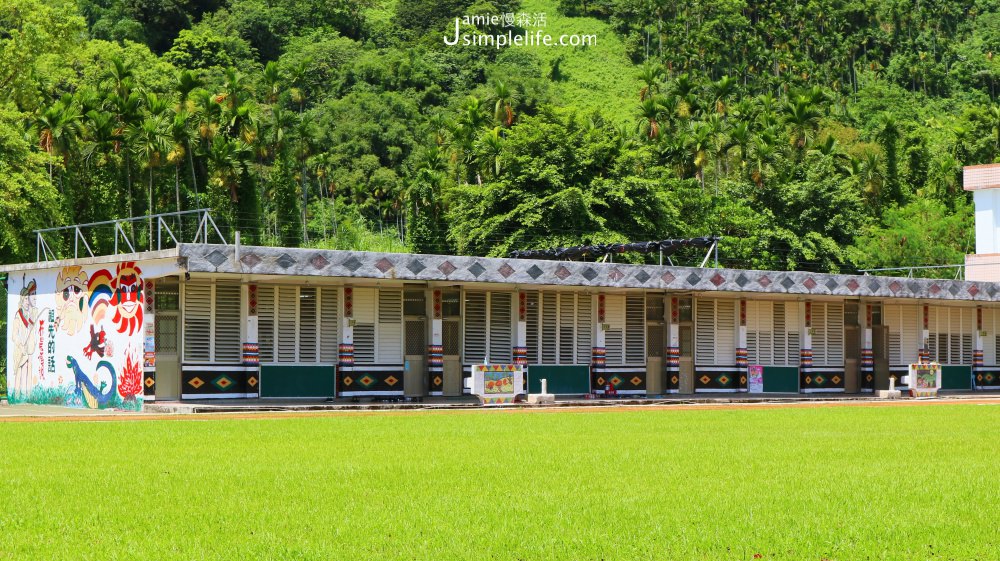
<point x="124" y="236"/>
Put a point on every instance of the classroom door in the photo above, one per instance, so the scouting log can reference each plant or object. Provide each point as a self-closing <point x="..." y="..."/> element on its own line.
<point x="167" y="335"/>
<point x="880" y="354"/>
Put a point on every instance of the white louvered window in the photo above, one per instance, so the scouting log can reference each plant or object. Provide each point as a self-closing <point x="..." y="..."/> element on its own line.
<point x="989" y="338"/>
<point x="298" y="324"/>
<point x="635" y="329"/>
<point x="390" y="326"/>
<point x="197" y="322"/>
<point x="488" y="327"/>
<point x="329" y="321"/>
<point x="364" y="325"/>
<point x="828" y="334"/>
<point x="614" y="336"/>
<point x="287" y="311"/>
<point x="550" y="328"/>
<point x="213" y="321"/>
<point x="951" y="331"/>
<point x="265" y="322"/>
<point x="715" y="332"/>
<point x="567" y="327"/>
<point x="904" y="332"/>
<point x="531" y="316"/>
<point x="559" y="327"/>
<point x="475" y="318"/>
<point x="501" y="332"/>
<point x="584" y="328"/>
<point x="760" y="332"/>
<point x="228" y="321"/>
<point x="308" y="329"/>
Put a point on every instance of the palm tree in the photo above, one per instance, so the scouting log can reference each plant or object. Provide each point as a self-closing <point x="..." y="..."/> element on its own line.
<point x="180" y="137"/>
<point x="187" y="81"/>
<point x="489" y="147"/>
<point x="802" y="119"/>
<point x="650" y="74"/>
<point x="722" y="89"/>
<point x="503" y="99"/>
<point x="650" y="114"/>
<point x="58" y="126"/>
<point x="150" y="141"/>
<point x="699" y="142"/>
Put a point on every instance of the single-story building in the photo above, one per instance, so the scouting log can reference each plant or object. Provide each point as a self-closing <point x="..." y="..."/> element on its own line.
<point x="204" y="321"/>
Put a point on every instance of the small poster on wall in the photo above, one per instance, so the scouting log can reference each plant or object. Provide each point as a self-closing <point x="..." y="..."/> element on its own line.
<point x="495" y="383"/>
<point x="755" y="378"/>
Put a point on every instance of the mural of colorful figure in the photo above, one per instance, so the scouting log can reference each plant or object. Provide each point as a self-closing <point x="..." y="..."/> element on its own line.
<point x="71" y="300"/>
<point x="122" y="292"/>
<point x="24" y="340"/>
<point x="77" y="335"/>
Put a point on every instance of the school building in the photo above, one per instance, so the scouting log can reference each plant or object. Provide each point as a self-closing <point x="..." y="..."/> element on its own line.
<point x="205" y="321"/>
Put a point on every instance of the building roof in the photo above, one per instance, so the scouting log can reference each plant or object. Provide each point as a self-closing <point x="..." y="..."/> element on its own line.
<point x="470" y="269"/>
<point x="280" y="261"/>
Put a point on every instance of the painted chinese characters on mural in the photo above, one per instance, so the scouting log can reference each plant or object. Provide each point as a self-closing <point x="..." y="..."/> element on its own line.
<point x="65" y="329"/>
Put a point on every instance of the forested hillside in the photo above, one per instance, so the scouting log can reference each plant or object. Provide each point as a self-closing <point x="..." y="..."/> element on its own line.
<point x="825" y="135"/>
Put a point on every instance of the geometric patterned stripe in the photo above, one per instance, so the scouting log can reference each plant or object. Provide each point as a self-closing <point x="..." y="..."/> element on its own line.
<point x="361" y="380"/>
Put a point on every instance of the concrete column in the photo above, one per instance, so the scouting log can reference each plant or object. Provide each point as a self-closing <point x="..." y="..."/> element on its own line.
<point x="977" y="350"/>
<point x="805" y="347"/>
<point x="741" y="344"/>
<point x="345" y="362"/>
<point x="251" y="342"/>
<point x="867" y="356"/>
<point x="149" y="342"/>
<point x="924" y="353"/>
<point x="435" y="350"/>
<point x="520" y="350"/>
<point x="673" y="351"/>
<point x="598" y="355"/>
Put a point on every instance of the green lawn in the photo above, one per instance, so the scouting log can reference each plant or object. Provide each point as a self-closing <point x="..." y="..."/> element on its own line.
<point x="828" y="483"/>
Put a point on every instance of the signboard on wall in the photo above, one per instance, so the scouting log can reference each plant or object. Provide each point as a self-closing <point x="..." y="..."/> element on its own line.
<point x="755" y="378"/>
<point x="497" y="384"/>
<point x="76" y="335"/>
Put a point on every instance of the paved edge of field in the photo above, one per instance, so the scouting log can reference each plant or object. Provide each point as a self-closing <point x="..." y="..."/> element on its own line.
<point x="38" y="413"/>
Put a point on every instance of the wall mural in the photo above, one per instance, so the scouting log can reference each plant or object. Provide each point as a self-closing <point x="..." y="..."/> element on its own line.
<point x="76" y="337"/>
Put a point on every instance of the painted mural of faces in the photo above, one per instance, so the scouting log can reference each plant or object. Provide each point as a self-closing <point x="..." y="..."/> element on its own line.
<point x="122" y="293"/>
<point x="128" y="298"/>
<point x="71" y="299"/>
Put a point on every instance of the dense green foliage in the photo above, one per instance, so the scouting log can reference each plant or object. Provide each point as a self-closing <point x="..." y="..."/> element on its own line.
<point x="787" y="484"/>
<point x="817" y="135"/>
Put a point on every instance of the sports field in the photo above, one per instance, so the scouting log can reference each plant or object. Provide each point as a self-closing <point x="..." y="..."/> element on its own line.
<point x="836" y="483"/>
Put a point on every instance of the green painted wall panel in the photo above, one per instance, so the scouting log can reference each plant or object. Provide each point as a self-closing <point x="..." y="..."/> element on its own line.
<point x="781" y="379"/>
<point x="563" y="379"/>
<point x="956" y="377"/>
<point x="285" y="380"/>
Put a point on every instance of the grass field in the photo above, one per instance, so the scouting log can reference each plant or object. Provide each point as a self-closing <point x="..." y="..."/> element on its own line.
<point x="815" y="483"/>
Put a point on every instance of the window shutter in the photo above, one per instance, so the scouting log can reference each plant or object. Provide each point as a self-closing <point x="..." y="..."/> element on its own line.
<point x="329" y="332"/>
<point x="308" y="339"/>
<point x="500" y="328"/>
<point x="549" y="328"/>
<point x="227" y="323"/>
<point x="265" y="322"/>
<point x="567" y="323"/>
<point x="725" y="334"/>
<point x="475" y="327"/>
<point x="197" y="322"/>
<point x="364" y="325"/>
<point x="704" y="348"/>
<point x="584" y="327"/>
<point x="819" y="333"/>
<point x="287" y="322"/>
<point x="390" y="326"/>
<point x="989" y="326"/>
<point x="635" y="329"/>
<point x="614" y="337"/>
<point x="531" y="326"/>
